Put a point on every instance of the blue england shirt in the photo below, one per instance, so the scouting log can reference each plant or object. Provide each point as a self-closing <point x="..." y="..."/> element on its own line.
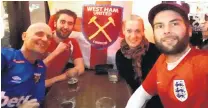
<point x="20" y="80"/>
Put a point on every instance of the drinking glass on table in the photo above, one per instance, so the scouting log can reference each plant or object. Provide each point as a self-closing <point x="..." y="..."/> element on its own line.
<point x="71" y="103"/>
<point x="113" y="75"/>
<point x="105" y="102"/>
<point x="73" y="83"/>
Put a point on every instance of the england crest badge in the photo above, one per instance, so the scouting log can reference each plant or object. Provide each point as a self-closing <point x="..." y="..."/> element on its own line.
<point x="180" y="91"/>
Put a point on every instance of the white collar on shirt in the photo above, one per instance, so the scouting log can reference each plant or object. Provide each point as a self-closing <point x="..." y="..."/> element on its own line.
<point x="171" y="66"/>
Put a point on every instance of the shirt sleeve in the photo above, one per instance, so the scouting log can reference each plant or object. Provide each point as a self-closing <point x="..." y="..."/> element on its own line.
<point x="150" y="84"/>
<point x="76" y="53"/>
<point x="138" y="99"/>
<point x="6" y="56"/>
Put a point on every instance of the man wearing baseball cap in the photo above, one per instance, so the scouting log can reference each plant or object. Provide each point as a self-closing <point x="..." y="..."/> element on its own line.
<point x="180" y="75"/>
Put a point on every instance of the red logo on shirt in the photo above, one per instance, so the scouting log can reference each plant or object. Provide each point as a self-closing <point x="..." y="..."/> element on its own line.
<point x="37" y="77"/>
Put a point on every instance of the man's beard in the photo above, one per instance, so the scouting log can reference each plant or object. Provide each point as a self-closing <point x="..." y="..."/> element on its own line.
<point x="62" y="36"/>
<point x="180" y="46"/>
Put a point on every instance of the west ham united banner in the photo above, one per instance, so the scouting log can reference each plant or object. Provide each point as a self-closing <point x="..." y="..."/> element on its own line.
<point x="101" y="24"/>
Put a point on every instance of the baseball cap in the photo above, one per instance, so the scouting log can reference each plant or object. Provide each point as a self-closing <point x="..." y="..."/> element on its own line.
<point x="180" y="7"/>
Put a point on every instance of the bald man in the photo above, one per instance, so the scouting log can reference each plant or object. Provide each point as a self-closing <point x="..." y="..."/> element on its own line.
<point x="23" y="71"/>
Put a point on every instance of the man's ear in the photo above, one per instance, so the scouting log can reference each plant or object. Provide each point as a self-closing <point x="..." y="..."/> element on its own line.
<point x="55" y="24"/>
<point x="123" y="28"/>
<point x="24" y="35"/>
<point x="123" y="31"/>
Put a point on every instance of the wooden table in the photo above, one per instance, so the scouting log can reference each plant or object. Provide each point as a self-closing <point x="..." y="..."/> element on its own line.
<point x="92" y="87"/>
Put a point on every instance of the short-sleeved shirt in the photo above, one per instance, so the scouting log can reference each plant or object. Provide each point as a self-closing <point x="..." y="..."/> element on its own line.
<point x="186" y="86"/>
<point x="20" y="80"/>
<point x="58" y="63"/>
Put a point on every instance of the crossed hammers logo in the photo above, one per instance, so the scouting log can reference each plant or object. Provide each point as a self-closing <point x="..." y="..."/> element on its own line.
<point x="101" y="29"/>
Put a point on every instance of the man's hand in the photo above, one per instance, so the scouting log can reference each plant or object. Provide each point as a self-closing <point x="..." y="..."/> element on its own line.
<point x="33" y="103"/>
<point x="73" y="72"/>
<point x="62" y="47"/>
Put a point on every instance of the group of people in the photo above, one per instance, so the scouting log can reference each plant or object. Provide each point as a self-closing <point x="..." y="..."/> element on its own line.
<point x="169" y="73"/>
<point x="26" y="73"/>
<point x="179" y="76"/>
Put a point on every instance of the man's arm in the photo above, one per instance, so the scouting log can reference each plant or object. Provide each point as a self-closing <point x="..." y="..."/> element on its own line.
<point x="59" y="49"/>
<point x="138" y="99"/>
<point x="77" y="70"/>
<point x="79" y="65"/>
<point x="55" y="79"/>
<point x="77" y="59"/>
<point x="145" y="91"/>
<point x="49" y="59"/>
<point x="78" y="62"/>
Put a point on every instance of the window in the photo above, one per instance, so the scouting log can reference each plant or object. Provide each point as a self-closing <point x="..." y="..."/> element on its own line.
<point x="5" y="33"/>
<point x="37" y="11"/>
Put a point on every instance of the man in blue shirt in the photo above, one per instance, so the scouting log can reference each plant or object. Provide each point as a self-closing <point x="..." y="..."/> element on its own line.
<point x="23" y="71"/>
